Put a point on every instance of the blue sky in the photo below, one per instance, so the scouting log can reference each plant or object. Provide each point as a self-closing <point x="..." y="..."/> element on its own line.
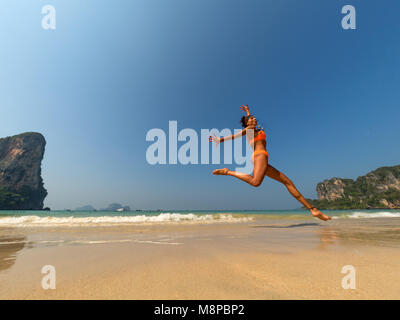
<point x="328" y="98"/>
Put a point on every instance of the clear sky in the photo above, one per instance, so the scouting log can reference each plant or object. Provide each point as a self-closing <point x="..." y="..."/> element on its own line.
<point x="328" y="98"/>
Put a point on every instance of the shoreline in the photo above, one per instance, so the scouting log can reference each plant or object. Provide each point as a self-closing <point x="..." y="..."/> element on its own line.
<point x="261" y="259"/>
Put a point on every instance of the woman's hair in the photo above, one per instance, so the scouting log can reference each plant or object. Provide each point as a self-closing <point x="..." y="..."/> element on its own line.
<point x="244" y="120"/>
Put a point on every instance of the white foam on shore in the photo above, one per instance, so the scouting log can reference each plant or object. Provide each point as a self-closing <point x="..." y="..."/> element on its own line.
<point x="37" y="221"/>
<point x="360" y="214"/>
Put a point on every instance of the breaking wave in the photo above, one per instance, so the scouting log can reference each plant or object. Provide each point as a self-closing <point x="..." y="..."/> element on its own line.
<point x="361" y="214"/>
<point x="33" y="221"/>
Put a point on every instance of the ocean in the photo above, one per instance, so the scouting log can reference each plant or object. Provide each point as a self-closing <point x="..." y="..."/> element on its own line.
<point x="105" y="218"/>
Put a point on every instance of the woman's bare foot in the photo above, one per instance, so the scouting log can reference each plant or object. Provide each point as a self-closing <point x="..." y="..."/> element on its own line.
<point x="318" y="214"/>
<point x="222" y="172"/>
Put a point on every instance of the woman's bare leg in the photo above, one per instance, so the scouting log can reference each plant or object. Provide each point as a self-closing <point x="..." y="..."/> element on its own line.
<point x="260" y="168"/>
<point x="282" y="178"/>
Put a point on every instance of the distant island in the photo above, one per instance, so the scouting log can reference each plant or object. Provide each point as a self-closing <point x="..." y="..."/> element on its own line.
<point x="116" y="207"/>
<point x="87" y="207"/>
<point x="111" y="207"/>
<point x="378" y="189"/>
<point x="21" y="183"/>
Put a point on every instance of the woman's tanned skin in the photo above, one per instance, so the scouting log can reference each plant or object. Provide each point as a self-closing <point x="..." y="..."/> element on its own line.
<point x="261" y="166"/>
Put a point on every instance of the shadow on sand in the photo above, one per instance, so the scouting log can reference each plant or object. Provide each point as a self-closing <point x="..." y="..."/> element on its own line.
<point x="311" y="224"/>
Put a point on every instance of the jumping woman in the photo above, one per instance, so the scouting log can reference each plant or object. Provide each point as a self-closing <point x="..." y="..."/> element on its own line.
<point x="260" y="161"/>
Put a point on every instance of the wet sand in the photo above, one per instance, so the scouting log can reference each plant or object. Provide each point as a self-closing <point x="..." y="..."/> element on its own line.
<point x="261" y="259"/>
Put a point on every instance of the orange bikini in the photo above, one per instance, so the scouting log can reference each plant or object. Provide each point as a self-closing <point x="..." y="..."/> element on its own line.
<point x="260" y="136"/>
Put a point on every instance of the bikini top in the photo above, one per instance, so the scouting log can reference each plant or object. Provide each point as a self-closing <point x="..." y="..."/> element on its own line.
<point x="260" y="136"/>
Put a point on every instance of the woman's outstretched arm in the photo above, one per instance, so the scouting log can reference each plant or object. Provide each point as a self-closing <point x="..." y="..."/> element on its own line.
<point x="217" y="140"/>
<point x="230" y="137"/>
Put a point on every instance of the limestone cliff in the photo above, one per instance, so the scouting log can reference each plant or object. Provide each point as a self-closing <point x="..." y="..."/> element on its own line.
<point x="331" y="189"/>
<point x="21" y="184"/>
<point x="377" y="189"/>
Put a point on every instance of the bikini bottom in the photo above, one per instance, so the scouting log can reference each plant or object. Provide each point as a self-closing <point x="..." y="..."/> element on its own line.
<point x="258" y="152"/>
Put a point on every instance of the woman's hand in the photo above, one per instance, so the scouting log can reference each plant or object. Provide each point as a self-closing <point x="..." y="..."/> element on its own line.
<point x="245" y="108"/>
<point x="215" y="139"/>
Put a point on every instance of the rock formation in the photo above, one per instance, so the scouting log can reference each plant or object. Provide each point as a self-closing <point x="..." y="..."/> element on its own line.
<point x="331" y="189"/>
<point x="21" y="183"/>
<point x="377" y="189"/>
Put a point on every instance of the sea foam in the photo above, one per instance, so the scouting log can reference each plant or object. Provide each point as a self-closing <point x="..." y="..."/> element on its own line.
<point x="33" y="221"/>
<point x="361" y="214"/>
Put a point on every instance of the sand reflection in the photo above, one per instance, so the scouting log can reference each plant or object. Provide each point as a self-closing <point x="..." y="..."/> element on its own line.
<point x="9" y="247"/>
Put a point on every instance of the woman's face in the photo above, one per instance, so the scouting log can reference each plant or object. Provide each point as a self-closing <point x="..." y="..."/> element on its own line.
<point x="251" y="121"/>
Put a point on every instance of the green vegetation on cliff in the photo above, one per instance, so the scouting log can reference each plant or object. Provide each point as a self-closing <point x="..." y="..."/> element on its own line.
<point x="379" y="189"/>
<point x="9" y="200"/>
<point x="21" y="199"/>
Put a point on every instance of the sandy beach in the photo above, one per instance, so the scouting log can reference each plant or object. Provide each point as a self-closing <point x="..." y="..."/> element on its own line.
<point x="259" y="259"/>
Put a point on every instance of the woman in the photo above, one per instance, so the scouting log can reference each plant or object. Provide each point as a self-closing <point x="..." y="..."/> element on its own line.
<point x="260" y="160"/>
